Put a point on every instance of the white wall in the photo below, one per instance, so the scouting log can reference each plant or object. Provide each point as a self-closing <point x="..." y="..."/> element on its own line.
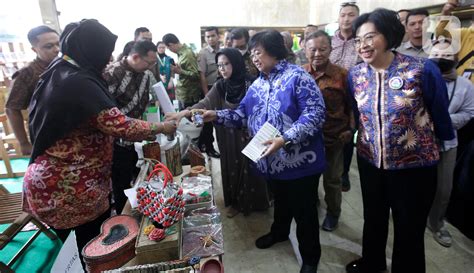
<point x="16" y="20"/>
<point x="181" y="17"/>
<point x="185" y="17"/>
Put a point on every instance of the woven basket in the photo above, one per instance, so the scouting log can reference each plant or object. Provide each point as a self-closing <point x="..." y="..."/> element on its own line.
<point x="163" y="204"/>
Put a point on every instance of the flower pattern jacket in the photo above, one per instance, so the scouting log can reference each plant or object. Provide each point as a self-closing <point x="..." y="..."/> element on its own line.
<point x="69" y="184"/>
<point x="403" y="113"/>
<point x="290" y="100"/>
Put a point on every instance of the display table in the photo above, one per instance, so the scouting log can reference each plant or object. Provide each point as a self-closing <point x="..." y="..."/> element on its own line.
<point x="168" y="243"/>
<point x="170" y="248"/>
<point x="127" y="209"/>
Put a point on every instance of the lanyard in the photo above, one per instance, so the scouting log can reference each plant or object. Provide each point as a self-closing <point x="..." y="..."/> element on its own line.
<point x="162" y="62"/>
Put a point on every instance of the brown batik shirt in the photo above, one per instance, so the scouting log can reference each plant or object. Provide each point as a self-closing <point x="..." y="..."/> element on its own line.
<point x="24" y="84"/>
<point x="130" y="89"/>
<point x="333" y="85"/>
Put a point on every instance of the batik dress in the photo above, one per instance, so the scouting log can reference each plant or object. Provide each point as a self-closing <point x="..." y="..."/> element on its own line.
<point x="69" y="184"/>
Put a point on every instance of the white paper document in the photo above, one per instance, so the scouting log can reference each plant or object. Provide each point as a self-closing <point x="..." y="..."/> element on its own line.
<point x="255" y="148"/>
<point x="165" y="102"/>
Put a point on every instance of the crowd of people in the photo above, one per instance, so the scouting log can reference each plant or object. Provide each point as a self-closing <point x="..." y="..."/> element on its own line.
<point x="407" y="101"/>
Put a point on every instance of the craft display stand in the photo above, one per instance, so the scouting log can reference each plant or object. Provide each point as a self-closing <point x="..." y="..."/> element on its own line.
<point x="170" y="248"/>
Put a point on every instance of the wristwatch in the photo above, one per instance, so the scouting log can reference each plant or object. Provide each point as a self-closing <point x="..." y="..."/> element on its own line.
<point x="287" y="144"/>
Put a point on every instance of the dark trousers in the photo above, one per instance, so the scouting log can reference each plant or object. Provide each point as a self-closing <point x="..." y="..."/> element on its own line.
<point x="124" y="170"/>
<point x="206" y="139"/>
<point x="409" y="194"/>
<point x="348" y="152"/>
<point x="84" y="233"/>
<point x="297" y="199"/>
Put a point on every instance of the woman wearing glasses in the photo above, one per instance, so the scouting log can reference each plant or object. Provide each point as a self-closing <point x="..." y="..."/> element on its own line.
<point x="402" y="112"/>
<point x="288" y="98"/>
<point x="242" y="193"/>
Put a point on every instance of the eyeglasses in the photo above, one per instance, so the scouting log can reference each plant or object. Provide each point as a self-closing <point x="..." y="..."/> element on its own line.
<point x="150" y="63"/>
<point x="255" y="54"/>
<point x="368" y="39"/>
<point x="222" y="65"/>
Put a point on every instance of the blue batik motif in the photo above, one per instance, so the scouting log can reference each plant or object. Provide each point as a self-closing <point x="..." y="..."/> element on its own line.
<point x="290" y="100"/>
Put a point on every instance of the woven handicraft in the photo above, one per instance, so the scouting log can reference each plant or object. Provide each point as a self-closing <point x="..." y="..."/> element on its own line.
<point x="159" y="198"/>
<point x="152" y="150"/>
<point x="114" y="246"/>
<point x="195" y="156"/>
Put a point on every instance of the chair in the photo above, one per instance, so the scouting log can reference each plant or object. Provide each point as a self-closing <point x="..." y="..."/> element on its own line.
<point x="6" y="156"/>
<point x="9" y="145"/>
<point x="11" y="212"/>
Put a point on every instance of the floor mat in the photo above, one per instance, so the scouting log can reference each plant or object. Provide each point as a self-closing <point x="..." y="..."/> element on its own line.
<point x="39" y="257"/>
<point x="18" y="165"/>
<point x="14" y="185"/>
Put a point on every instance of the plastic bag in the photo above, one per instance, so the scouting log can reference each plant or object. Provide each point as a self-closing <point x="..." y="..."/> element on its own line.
<point x="203" y="241"/>
<point x="202" y="217"/>
<point x="197" y="189"/>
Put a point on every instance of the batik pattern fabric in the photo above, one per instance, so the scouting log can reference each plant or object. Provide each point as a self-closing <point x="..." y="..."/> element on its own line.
<point x="250" y="66"/>
<point x="402" y="111"/>
<point x="165" y="69"/>
<point x="188" y="89"/>
<point x="290" y="100"/>
<point x="333" y="85"/>
<point x="343" y="51"/>
<point x="130" y="89"/>
<point x="69" y="184"/>
<point x="24" y="84"/>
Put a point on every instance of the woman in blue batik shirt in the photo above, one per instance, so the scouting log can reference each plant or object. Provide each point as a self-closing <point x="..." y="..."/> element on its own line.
<point x="402" y="109"/>
<point x="288" y="98"/>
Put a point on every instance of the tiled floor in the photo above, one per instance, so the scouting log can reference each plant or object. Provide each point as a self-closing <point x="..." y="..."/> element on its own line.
<point x="338" y="247"/>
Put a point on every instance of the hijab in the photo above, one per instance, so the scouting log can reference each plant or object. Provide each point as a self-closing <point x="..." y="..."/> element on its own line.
<point x="162" y="55"/>
<point x="234" y="88"/>
<point x="72" y="89"/>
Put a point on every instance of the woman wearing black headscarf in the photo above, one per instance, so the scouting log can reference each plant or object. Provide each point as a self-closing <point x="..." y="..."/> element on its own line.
<point x="73" y="121"/>
<point x="241" y="193"/>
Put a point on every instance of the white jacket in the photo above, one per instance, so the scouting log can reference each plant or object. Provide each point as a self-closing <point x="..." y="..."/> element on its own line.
<point x="461" y="107"/>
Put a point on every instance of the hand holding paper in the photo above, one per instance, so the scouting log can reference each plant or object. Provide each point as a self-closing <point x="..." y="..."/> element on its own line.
<point x="273" y="145"/>
<point x="258" y="146"/>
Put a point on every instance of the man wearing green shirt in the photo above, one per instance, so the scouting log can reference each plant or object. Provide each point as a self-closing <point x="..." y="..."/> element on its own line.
<point x="188" y="89"/>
